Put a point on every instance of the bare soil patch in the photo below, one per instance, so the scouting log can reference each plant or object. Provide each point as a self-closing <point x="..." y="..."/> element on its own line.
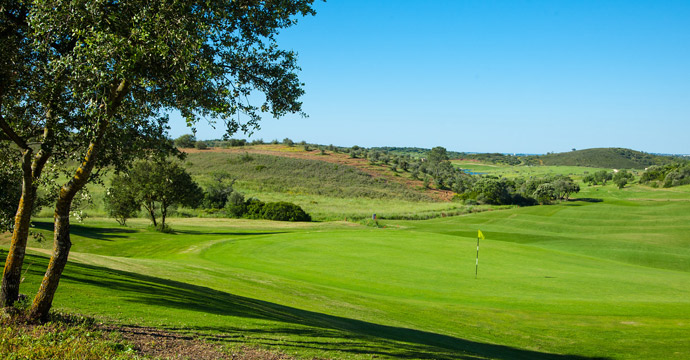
<point x="163" y="344"/>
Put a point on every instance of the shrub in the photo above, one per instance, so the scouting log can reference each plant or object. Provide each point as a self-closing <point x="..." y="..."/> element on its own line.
<point x="185" y="141"/>
<point x="284" y="211"/>
<point x="257" y="209"/>
<point x="235" y="206"/>
<point x="201" y="145"/>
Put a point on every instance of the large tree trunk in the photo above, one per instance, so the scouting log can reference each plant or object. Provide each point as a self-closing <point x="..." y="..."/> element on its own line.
<point x="61" y="246"/>
<point x="32" y="166"/>
<point x="61" y="237"/>
<point x="12" y="274"/>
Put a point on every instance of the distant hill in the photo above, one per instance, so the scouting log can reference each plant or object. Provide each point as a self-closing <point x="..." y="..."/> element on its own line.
<point x="614" y="158"/>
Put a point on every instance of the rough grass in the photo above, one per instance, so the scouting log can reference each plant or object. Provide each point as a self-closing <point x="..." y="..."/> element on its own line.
<point x="61" y="341"/>
<point x="266" y="173"/>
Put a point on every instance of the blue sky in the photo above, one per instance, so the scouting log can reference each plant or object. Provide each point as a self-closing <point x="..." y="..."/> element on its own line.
<point x="491" y="76"/>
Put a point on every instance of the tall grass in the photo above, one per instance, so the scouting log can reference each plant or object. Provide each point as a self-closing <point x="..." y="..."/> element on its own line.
<point x="265" y="173"/>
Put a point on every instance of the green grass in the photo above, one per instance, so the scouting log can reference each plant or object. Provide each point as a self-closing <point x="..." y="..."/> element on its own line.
<point x="603" y="277"/>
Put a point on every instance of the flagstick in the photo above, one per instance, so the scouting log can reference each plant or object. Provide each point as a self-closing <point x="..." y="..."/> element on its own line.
<point x="476" y="266"/>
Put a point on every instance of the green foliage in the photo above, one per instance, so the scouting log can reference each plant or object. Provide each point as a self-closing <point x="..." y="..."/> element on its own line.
<point x="186" y="141"/>
<point x="437" y="155"/>
<point x="10" y="191"/>
<point x="517" y="191"/>
<point x="256" y="209"/>
<point x="157" y="185"/>
<point x="598" y="178"/>
<point x="121" y="200"/>
<point x="622" y="178"/>
<point x="201" y="145"/>
<point x="218" y="191"/>
<point x="678" y="177"/>
<point x="235" y="206"/>
<point x="668" y="175"/>
<point x="281" y="211"/>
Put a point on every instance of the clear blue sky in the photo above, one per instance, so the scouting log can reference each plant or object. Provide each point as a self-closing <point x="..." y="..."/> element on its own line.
<point x="491" y="76"/>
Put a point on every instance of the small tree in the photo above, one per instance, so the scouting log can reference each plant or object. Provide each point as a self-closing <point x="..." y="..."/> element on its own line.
<point x="218" y="192"/>
<point x="622" y="178"/>
<point x="437" y="154"/>
<point x="120" y="199"/>
<point x="158" y="185"/>
<point x="545" y="193"/>
<point x="186" y="141"/>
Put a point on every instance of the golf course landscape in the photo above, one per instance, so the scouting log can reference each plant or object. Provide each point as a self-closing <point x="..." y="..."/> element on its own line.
<point x="603" y="275"/>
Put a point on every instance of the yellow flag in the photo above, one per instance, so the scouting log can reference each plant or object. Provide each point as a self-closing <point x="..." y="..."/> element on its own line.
<point x="480" y="235"/>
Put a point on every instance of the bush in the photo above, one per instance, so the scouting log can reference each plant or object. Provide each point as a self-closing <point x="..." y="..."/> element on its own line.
<point x="257" y="209"/>
<point x="235" y="206"/>
<point x="284" y="211"/>
<point x="201" y="145"/>
<point x="185" y="141"/>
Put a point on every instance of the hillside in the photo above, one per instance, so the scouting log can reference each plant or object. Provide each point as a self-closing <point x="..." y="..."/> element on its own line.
<point x="613" y="158"/>
<point x="311" y="172"/>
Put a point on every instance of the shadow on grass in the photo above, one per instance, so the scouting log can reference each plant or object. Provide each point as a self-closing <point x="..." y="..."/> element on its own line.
<point x="98" y="233"/>
<point x="300" y="329"/>
<point x="229" y="233"/>
<point x="110" y="233"/>
<point x="590" y="200"/>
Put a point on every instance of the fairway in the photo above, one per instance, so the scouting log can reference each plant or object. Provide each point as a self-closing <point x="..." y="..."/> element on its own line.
<point x="582" y="279"/>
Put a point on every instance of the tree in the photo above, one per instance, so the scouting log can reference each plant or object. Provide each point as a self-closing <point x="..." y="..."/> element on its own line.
<point x="120" y="199"/>
<point x="186" y="141"/>
<point x="545" y="193"/>
<point x="622" y="178"/>
<point x="437" y="155"/>
<point x="159" y="184"/>
<point x="564" y="186"/>
<point x="218" y="191"/>
<point x="90" y="80"/>
<point x="602" y="176"/>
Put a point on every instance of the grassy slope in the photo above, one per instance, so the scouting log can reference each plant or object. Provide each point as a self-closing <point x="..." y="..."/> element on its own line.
<point x="600" y="279"/>
<point x="328" y="191"/>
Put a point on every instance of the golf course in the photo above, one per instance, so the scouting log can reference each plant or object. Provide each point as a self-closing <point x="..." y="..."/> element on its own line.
<point x="303" y="179"/>
<point x="603" y="275"/>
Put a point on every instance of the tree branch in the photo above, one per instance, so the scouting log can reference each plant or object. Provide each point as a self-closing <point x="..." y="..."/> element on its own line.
<point x="11" y="135"/>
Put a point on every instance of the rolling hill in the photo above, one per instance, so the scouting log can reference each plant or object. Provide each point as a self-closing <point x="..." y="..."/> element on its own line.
<point x="614" y="158"/>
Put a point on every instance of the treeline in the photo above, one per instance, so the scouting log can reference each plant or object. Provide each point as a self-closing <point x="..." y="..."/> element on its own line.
<point x="156" y="186"/>
<point x="493" y="158"/>
<point x="615" y="158"/>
